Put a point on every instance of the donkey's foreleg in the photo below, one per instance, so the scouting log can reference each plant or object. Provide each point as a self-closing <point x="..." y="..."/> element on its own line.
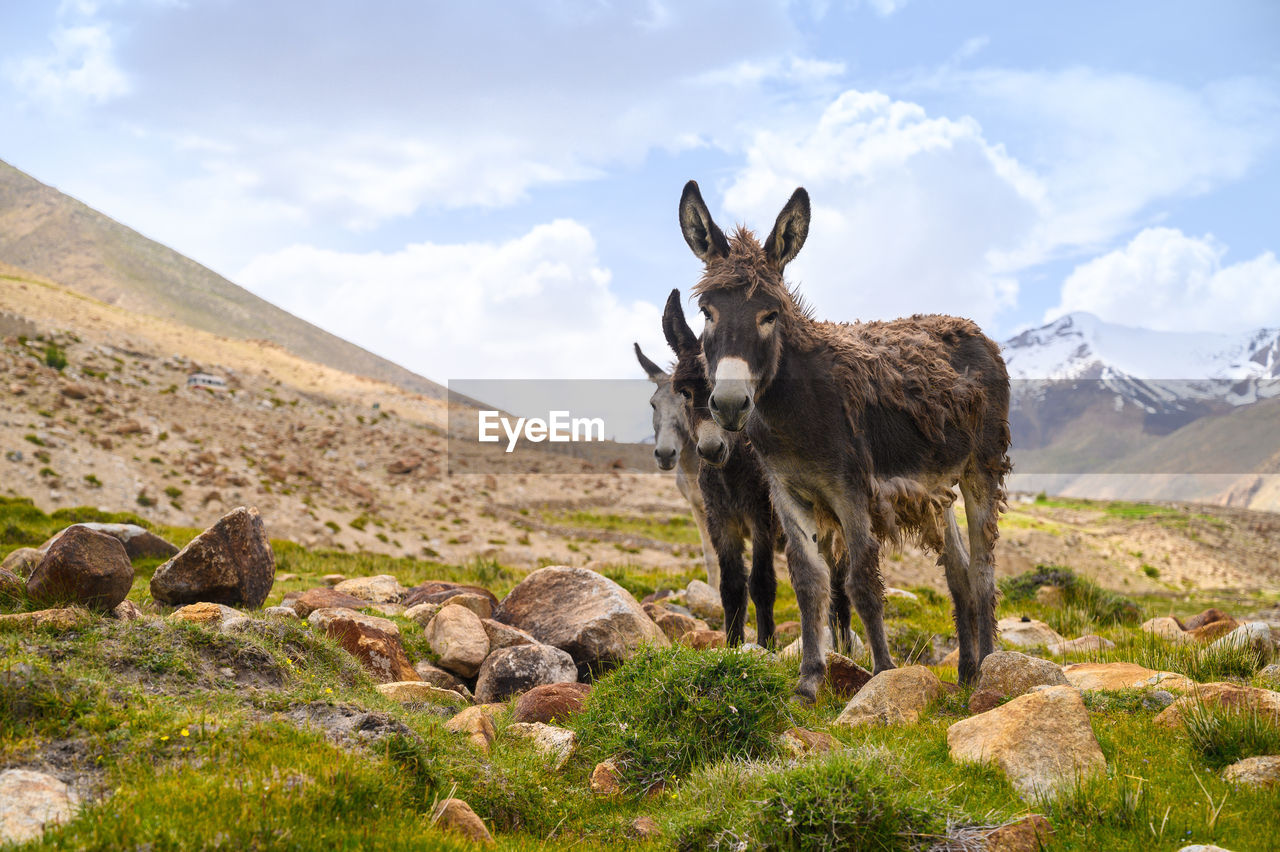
<point x="866" y="587"/>
<point x="764" y="582"/>
<point x="811" y="580"/>
<point x="733" y="574"/>
<point x="981" y="507"/>
<point x="697" y="505"/>
<point x="955" y="562"/>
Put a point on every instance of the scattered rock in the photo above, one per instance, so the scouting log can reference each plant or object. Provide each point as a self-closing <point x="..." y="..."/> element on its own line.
<point x="1209" y="616"/>
<point x="231" y="563"/>
<point x="703" y="639"/>
<point x="786" y="632"/>
<point x="510" y="671"/>
<point x="378" y="649"/>
<point x="333" y="579"/>
<point x="606" y="779"/>
<point x="1254" y="771"/>
<point x="644" y="827"/>
<point x="1213" y="630"/>
<point x="1270" y="673"/>
<point x="30" y="801"/>
<point x="1168" y="628"/>
<point x="139" y="543"/>
<point x="1264" y="702"/>
<point x="800" y="742"/>
<point x="1255" y="635"/>
<point x="1009" y="674"/>
<point x="127" y="610"/>
<point x="1092" y="677"/>
<point x="593" y="618"/>
<point x="380" y="589"/>
<point x="550" y="741"/>
<point x="951" y="659"/>
<point x="674" y="624"/>
<point x="504" y="635"/>
<point x="439" y="591"/>
<point x="456" y="817"/>
<point x="1042" y="740"/>
<point x="22" y="561"/>
<point x="319" y="619"/>
<point x="983" y="700"/>
<point x="422" y="613"/>
<point x="419" y="692"/>
<point x="439" y="677"/>
<point x="65" y="618"/>
<point x="704" y="602"/>
<point x="321" y="597"/>
<point x="1027" y="632"/>
<point x="1157" y="699"/>
<point x="457" y="635"/>
<point x="82" y="567"/>
<point x="1082" y="645"/>
<point x="285" y="612"/>
<point x="1032" y="833"/>
<point x="479" y="604"/>
<point x="844" y="676"/>
<point x="476" y="723"/>
<point x="204" y="613"/>
<point x="895" y="696"/>
<point x="551" y="701"/>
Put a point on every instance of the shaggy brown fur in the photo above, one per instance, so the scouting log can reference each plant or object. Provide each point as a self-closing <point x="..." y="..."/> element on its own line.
<point x="864" y="426"/>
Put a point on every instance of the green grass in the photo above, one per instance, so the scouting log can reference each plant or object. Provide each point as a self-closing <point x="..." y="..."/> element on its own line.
<point x="678" y="529"/>
<point x="1098" y="604"/>
<point x="1224" y="735"/>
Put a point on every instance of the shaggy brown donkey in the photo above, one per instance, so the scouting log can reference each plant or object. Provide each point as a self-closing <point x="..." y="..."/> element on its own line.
<point x="867" y="426"/>
<point x="734" y="491"/>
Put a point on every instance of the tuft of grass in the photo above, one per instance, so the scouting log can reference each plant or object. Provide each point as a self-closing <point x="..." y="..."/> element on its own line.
<point x="668" y="710"/>
<point x="1101" y="605"/>
<point x="1224" y="735"/>
<point x="1201" y="663"/>
<point x="54" y="357"/>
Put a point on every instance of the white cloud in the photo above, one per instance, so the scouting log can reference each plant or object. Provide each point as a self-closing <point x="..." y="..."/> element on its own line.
<point x="907" y="209"/>
<point x="537" y="306"/>
<point x="81" y="67"/>
<point x="1166" y="280"/>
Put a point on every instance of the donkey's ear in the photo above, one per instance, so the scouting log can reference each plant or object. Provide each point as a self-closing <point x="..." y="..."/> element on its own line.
<point x="680" y="337"/>
<point x="700" y="232"/>
<point x="789" y="231"/>
<point x="654" y="372"/>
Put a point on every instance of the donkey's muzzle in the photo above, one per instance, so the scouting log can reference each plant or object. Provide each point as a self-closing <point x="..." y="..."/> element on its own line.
<point x="713" y="450"/>
<point x="730" y="408"/>
<point x="666" y="458"/>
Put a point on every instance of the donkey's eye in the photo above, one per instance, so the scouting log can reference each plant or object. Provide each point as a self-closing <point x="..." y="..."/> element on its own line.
<point x="706" y="314"/>
<point x="686" y="393"/>
<point x="768" y="318"/>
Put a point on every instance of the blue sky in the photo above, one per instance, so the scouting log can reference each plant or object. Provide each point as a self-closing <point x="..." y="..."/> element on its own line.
<point x="489" y="190"/>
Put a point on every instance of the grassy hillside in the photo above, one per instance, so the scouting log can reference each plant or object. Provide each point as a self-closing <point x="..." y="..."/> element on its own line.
<point x="57" y="237"/>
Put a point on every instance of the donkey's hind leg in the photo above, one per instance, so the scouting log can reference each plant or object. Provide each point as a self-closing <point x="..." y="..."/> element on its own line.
<point x="764" y="581"/>
<point x="811" y="580"/>
<point x="866" y="588"/>
<point x="982" y="496"/>
<point x="841" y="607"/>
<point x="955" y="562"/>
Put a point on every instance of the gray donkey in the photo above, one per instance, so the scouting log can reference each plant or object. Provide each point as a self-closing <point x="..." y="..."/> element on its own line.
<point x="674" y="448"/>
<point x="864" y="427"/>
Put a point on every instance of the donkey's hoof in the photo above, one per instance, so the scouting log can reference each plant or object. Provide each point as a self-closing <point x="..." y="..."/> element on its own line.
<point x="806" y="692"/>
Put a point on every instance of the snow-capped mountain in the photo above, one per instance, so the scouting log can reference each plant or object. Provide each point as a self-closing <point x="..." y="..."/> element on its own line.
<point x="1159" y="370"/>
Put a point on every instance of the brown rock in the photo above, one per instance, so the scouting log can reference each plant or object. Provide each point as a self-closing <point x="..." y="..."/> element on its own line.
<point x="479" y="604"/>
<point x="408" y="464"/>
<point x="952" y="659"/>
<point x="11" y="585"/>
<point x="457" y="635"/>
<point x="1027" y="632"/>
<point x="799" y="742"/>
<point x="645" y="828"/>
<point x="204" y="613"/>
<point x="139" y="543"/>
<point x="333" y="579"/>
<point x="1090" y="677"/>
<point x="439" y="591"/>
<point x="704" y="602"/>
<point x="476" y="723"/>
<point x="1254" y="771"/>
<point x="510" y="671"/>
<point x="549" y="702"/>
<point x="1213" y="630"/>
<point x="1166" y="628"/>
<point x="1032" y="833"/>
<point x="378" y="650"/>
<point x="1009" y="674"/>
<point x="606" y="780"/>
<point x="230" y="563"/>
<point x="983" y="700"/>
<point x="786" y="632"/>
<point x="84" y="567"/>
<point x="503" y="635"/>
<point x="1264" y="702"/>
<point x="22" y="561"/>
<point x="319" y="620"/>
<point x="420" y="692"/>
<point x="421" y="614"/>
<point x="378" y="590"/>
<point x="456" y="817"/>
<point x="579" y="611"/>
<point x="701" y="640"/>
<point x="127" y="610"/>
<point x="1042" y="740"/>
<point x="895" y="696"/>
<point x="674" y="624"/>
<point x="30" y="802"/>
<point x="322" y="597"/>
<point x="74" y="391"/>
<point x="439" y="677"/>
<point x="66" y="618"/>
<point x="1081" y="645"/>
<point x="844" y="677"/>
<point x="1208" y="616"/>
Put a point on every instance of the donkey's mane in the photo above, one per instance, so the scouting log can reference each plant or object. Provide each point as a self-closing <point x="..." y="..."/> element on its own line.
<point x="748" y="264"/>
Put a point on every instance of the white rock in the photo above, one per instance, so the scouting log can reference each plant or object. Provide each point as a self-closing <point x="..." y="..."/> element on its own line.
<point x="29" y="801"/>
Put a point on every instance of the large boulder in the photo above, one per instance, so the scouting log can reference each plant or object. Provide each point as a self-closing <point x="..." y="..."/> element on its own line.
<point x="84" y="567"/>
<point x="31" y="801"/>
<point x="1027" y="632"/>
<point x="1092" y="677"/>
<point x="138" y="542"/>
<point x="230" y="563"/>
<point x="380" y="589"/>
<point x="510" y="671"/>
<point x="893" y="697"/>
<point x="1010" y="674"/>
<point x="1208" y="616"/>
<point x="577" y="610"/>
<point x="1042" y="741"/>
<point x="363" y="637"/>
<point x="1254" y="635"/>
<point x="457" y="635"/>
<point x="504" y="635"/>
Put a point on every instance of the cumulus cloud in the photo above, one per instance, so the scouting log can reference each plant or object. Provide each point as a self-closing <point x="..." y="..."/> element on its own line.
<point x="1166" y="280"/>
<point x="537" y="306"/>
<point x="907" y="208"/>
<point x="81" y="67"/>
